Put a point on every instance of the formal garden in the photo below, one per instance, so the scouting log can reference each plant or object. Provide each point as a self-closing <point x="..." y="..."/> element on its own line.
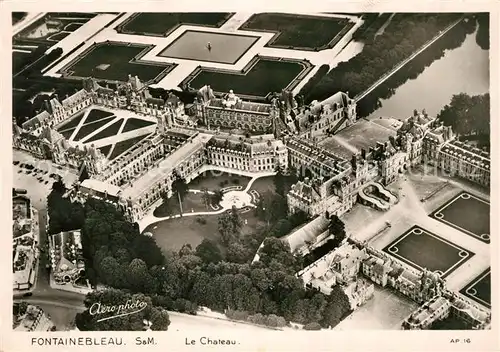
<point x="114" y="61"/>
<point x="261" y="76"/>
<point x="300" y="32"/>
<point x="424" y="250"/>
<point x="163" y="23"/>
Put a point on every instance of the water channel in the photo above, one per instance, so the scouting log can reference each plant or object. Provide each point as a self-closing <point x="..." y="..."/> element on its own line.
<point x="461" y="70"/>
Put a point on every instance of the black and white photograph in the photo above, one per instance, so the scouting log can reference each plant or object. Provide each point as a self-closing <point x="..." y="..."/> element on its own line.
<point x="284" y="172"/>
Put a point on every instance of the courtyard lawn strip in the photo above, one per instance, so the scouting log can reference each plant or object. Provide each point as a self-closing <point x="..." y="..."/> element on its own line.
<point x="87" y="129"/>
<point x="72" y="122"/>
<point x="105" y="149"/>
<point x="479" y="289"/>
<point x="134" y="124"/>
<point x="123" y="146"/>
<point x="299" y="31"/>
<point x="161" y="24"/>
<point x="427" y="251"/>
<point x="114" y="61"/>
<point x="96" y="115"/>
<point x="67" y="133"/>
<point x="466" y="213"/>
<point x="107" y="132"/>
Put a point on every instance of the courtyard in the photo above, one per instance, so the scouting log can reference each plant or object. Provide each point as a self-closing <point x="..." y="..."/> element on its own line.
<point x="262" y="76"/>
<point x="224" y="48"/>
<point x="467" y="213"/>
<point x="162" y="24"/>
<point x="114" y="61"/>
<point x="300" y="32"/>
<point x="424" y="250"/>
<point x="479" y="289"/>
<point x="384" y="311"/>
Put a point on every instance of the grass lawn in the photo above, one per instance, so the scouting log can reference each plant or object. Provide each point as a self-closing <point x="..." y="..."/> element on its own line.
<point x="72" y="123"/>
<point x="162" y="23"/>
<point x="87" y="129"/>
<point x="264" y="184"/>
<point x="426" y="250"/>
<point x="265" y="77"/>
<point x="59" y="36"/>
<point x="123" y="146"/>
<point x="172" y="234"/>
<point x="96" y="115"/>
<point x="133" y="124"/>
<point x="191" y="203"/>
<point x="107" y="132"/>
<point x="67" y="133"/>
<point x="298" y="31"/>
<point x="467" y="214"/>
<point x="479" y="289"/>
<point x="112" y="61"/>
<point x="105" y="149"/>
<point x="211" y="180"/>
<point x="73" y="26"/>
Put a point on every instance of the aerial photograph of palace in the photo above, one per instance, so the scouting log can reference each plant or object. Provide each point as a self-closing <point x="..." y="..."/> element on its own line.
<point x="315" y="171"/>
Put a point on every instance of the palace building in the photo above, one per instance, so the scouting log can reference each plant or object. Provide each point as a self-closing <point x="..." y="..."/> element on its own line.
<point x="232" y="112"/>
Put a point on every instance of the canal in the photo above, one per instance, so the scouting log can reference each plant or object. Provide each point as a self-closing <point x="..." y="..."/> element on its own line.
<point x="461" y="70"/>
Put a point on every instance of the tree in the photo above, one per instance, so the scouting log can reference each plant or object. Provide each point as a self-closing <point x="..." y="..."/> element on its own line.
<point x="336" y="228"/>
<point x="179" y="186"/>
<point x="206" y="197"/>
<point x="217" y="196"/>
<point x="159" y="319"/>
<point x="337" y="308"/>
<point x="208" y="251"/>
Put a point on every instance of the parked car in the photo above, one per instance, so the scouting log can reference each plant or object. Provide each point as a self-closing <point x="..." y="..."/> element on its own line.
<point x="46" y="182"/>
<point x="28" y="294"/>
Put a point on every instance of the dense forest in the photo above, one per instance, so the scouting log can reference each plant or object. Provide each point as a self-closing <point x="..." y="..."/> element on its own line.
<point x="223" y="279"/>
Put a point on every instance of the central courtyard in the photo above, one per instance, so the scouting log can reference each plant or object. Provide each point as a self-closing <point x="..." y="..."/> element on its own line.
<point x="224" y="48"/>
<point x="424" y="250"/>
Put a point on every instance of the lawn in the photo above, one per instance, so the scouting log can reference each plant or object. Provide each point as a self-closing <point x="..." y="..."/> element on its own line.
<point x="96" y="115"/>
<point x="133" y="124"/>
<point x="468" y="214"/>
<point x="264" y="185"/>
<point x="123" y="146"/>
<point x="87" y="129"/>
<point x="172" y="234"/>
<point x="216" y="180"/>
<point x="73" y="26"/>
<point x="161" y="23"/>
<point x="299" y="31"/>
<point x="422" y="249"/>
<point x="192" y="203"/>
<point x="479" y="289"/>
<point x="72" y="123"/>
<point x="265" y="76"/>
<point x="105" y="149"/>
<point x="107" y="132"/>
<point x="67" y="133"/>
<point x="59" y="36"/>
<point x="114" y="62"/>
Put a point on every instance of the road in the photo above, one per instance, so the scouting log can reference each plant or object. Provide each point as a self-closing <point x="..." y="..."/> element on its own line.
<point x="399" y="66"/>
